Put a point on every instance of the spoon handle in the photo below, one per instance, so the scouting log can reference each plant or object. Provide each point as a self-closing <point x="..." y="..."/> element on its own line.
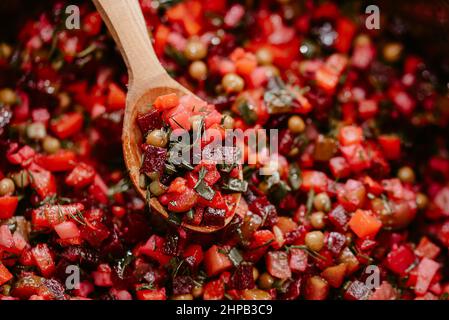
<point x="126" y="23"/>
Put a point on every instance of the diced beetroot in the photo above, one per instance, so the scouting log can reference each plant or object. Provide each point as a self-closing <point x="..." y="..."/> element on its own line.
<point x="315" y="180"/>
<point x="149" y="121"/>
<point x="212" y="118"/>
<point x="357" y="157"/>
<point x="120" y="294"/>
<point x="297" y="260"/>
<point x="261" y="238"/>
<point x="339" y="218"/>
<point x="94" y="233"/>
<point x="214" y="217"/>
<point x="427" y="249"/>
<point x="182" y="284"/>
<point x="400" y="259"/>
<point x="384" y="292"/>
<point x="214" y="290"/>
<point x="441" y="201"/>
<point x="293" y="290"/>
<point x="81" y="176"/>
<point x="6" y="239"/>
<point x="193" y="255"/>
<point x="357" y="290"/>
<point x="44" y="260"/>
<point x="391" y="146"/>
<point x="182" y="202"/>
<point x="85" y="288"/>
<point x="242" y="277"/>
<point x="335" y="242"/>
<point x="43" y="182"/>
<point x="339" y="167"/>
<point x="263" y="208"/>
<point x="153" y="249"/>
<point x="352" y="195"/>
<point x="67" y="230"/>
<point x="365" y="244"/>
<point x="277" y="264"/>
<point x="153" y="159"/>
<point x="326" y="259"/>
<point x="102" y="277"/>
<point x="350" y="135"/>
<point x="427" y="269"/>
<point x="20" y="156"/>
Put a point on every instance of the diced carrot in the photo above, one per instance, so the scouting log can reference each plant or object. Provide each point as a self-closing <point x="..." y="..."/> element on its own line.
<point x="166" y="101"/>
<point x="335" y="275"/>
<point x="5" y="275"/>
<point x="364" y="224"/>
<point x="156" y="294"/>
<point x="216" y="262"/>
<point x="160" y="37"/>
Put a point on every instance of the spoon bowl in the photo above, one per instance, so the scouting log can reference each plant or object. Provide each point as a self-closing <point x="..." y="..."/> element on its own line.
<point x="147" y="81"/>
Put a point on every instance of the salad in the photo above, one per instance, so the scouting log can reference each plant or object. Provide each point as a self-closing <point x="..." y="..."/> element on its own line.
<point x="356" y="208"/>
<point x="197" y="182"/>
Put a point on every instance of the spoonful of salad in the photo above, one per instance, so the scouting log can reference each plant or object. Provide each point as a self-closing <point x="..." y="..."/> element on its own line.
<point x="168" y="133"/>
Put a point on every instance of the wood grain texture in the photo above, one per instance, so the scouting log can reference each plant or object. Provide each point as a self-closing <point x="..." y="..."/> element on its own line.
<point x="147" y="80"/>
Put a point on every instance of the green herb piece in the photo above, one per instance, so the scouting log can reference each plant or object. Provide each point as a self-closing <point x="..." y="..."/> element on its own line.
<point x="310" y="198"/>
<point x="174" y="218"/>
<point x="170" y="169"/>
<point x="146" y="286"/>
<point x="201" y="174"/>
<point x="234" y="255"/>
<point x="294" y="176"/>
<point x="176" y="55"/>
<point x="278" y="98"/>
<point x="236" y="185"/>
<point x="204" y="190"/>
<point x="247" y="112"/>
<point x="310" y="252"/>
<point x="176" y="265"/>
<point x="248" y="171"/>
<point x="164" y="4"/>
<point x="190" y="214"/>
<point x="386" y="204"/>
<point x="122" y="186"/>
<point x="123" y="263"/>
<point x="266" y="244"/>
<point x="226" y="167"/>
<point x="77" y="216"/>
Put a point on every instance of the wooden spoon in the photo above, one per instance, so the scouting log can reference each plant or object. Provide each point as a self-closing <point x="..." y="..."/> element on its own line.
<point x="147" y="80"/>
